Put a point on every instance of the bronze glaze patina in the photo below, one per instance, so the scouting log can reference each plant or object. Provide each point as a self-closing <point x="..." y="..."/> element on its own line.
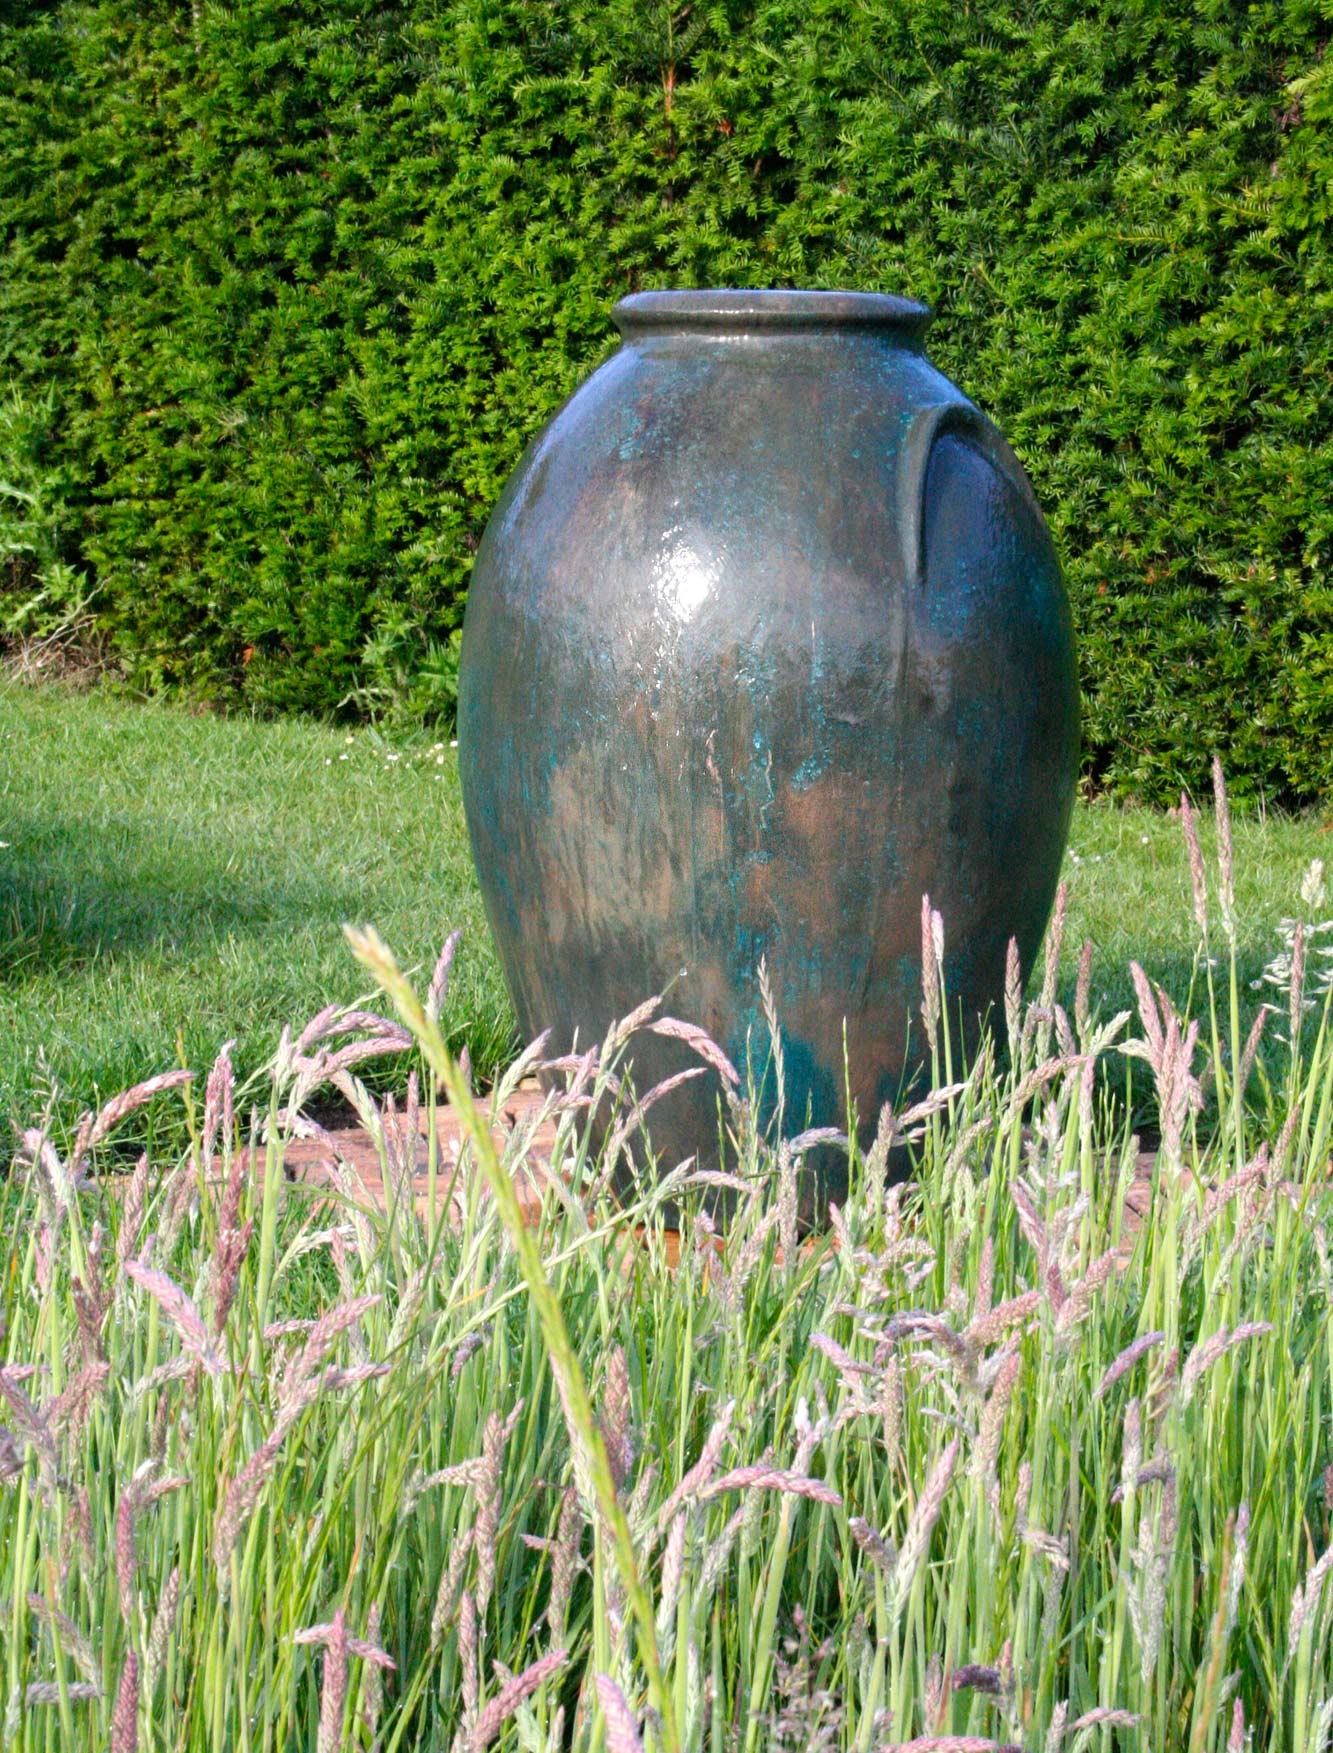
<point x="766" y="640"/>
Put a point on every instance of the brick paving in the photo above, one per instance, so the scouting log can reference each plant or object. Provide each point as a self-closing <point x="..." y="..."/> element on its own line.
<point x="307" y="1160"/>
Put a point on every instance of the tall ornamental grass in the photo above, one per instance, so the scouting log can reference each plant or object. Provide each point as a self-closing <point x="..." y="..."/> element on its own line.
<point x="1004" y="1457"/>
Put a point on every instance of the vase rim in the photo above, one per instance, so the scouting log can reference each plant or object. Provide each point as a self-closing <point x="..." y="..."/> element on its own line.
<point x="735" y="310"/>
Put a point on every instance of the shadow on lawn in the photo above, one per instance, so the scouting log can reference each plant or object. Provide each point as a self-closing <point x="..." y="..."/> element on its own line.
<point x="75" y="891"/>
<point x="1113" y="989"/>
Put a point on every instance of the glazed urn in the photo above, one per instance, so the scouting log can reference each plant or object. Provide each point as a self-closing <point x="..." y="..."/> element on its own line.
<point x="766" y="639"/>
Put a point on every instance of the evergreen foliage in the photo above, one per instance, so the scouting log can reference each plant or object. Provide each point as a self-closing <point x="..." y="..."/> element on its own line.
<point x="292" y="285"/>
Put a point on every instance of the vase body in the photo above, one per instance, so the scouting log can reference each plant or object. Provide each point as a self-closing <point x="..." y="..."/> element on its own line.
<point x="766" y="639"/>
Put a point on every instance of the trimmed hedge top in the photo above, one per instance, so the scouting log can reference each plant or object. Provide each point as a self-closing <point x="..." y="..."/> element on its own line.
<point x="293" y="285"/>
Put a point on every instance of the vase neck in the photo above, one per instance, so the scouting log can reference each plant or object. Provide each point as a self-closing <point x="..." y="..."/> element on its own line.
<point x="743" y="314"/>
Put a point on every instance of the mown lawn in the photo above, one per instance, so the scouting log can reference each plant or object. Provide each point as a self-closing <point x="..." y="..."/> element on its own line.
<point x="169" y="881"/>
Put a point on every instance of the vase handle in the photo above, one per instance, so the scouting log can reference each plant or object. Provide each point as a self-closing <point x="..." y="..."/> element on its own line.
<point x="967" y="421"/>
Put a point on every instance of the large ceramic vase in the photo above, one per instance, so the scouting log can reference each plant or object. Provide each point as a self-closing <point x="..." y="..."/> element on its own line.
<point x="766" y="639"/>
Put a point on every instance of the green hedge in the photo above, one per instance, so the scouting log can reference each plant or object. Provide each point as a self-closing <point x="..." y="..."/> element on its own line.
<point x="294" y="282"/>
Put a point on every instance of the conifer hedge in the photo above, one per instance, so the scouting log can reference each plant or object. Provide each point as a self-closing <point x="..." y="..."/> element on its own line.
<point x="288" y="284"/>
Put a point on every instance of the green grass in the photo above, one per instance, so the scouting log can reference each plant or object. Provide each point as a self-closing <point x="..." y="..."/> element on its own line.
<point x="1129" y="892"/>
<point x="977" y="1463"/>
<point x="168" y="876"/>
